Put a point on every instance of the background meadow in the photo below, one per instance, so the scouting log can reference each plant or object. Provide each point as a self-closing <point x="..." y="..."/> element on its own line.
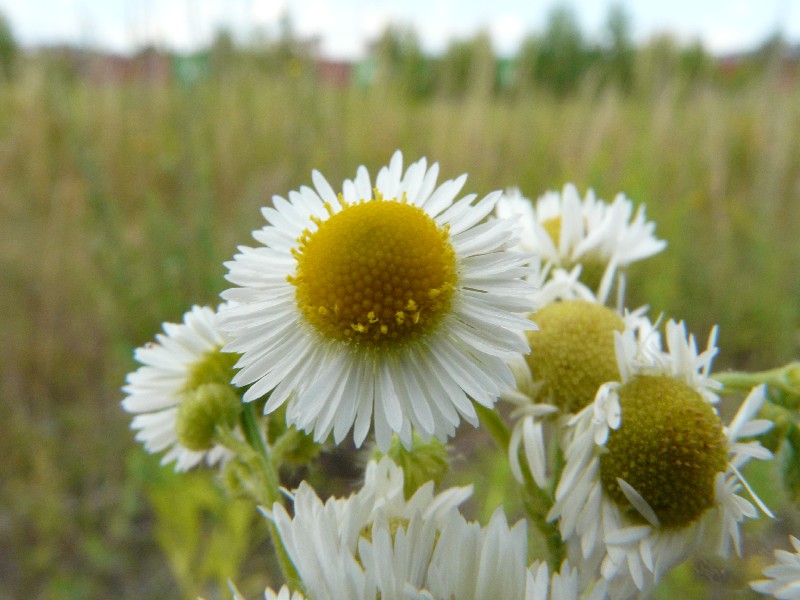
<point x="126" y="182"/>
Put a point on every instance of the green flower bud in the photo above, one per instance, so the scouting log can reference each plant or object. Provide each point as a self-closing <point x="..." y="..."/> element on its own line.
<point x="204" y="409"/>
<point x="572" y="352"/>
<point x="422" y="463"/>
<point x="215" y="367"/>
<point x="669" y="448"/>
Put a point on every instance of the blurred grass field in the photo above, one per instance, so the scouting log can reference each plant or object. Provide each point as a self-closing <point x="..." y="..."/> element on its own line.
<point x="119" y="202"/>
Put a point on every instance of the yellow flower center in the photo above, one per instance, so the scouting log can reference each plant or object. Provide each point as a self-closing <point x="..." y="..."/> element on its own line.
<point x="377" y="273"/>
<point x="669" y="448"/>
<point x="572" y="352"/>
<point x="553" y="228"/>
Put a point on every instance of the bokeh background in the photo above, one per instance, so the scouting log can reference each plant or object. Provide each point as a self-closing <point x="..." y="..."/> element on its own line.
<point x="129" y="173"/>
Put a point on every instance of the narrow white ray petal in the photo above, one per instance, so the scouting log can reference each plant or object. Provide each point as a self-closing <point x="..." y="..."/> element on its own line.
<point x="752" y="493"/>
<point x="639" y="503"/>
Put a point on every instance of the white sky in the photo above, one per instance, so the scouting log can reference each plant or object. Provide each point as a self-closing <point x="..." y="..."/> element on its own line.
<point x="346" y="25"/>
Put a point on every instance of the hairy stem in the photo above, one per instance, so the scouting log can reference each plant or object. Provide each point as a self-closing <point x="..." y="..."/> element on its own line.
<point x="270" y="488"/>
<point x="537" y="502"/>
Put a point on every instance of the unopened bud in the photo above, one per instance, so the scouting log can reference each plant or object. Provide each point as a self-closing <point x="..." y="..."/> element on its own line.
<point x="422" y="463"/>
<point x="202" y="410"/>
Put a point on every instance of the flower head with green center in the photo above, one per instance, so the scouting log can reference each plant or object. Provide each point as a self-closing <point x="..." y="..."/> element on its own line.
<point x="651" y="471"/>
<point x="565" y="230"/>
<point x="572" y="355"/>
<point x="393" y="304"/>
<point x="183" y="391"/>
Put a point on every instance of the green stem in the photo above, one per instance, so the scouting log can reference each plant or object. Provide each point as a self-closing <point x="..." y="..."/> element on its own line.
<point x="287" y="441"/>
<point x="252" y="432"/>
<point x="494" y="424"/>
<point x="736" y="381"/>
<point x="558" y="465"/>
<point x="537" y="502"/>
<point x="785" y="379"/>
<point x="270" y="489"/>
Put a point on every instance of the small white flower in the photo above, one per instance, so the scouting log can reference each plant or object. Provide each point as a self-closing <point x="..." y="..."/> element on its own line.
<point x="326" y="542"/>
<point x="784" y="576"/>
<point x="565" y="383"/>
<point x="395" y="304"/>
<point x="376" y="544"/>
<point x="473" y="562"/>
<point x="158" y="388"/>
<point x="565" y="230"/>
<point x="622" y="536"/>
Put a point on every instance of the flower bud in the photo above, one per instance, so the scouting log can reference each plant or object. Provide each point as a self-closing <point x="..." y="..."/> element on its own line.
<point x="203" y="409"/>
<point x="422" y="463"/>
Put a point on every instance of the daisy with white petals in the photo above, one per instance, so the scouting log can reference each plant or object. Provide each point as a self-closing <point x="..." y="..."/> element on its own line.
<point x="651" y="472"/>
<point x="390" y="301"/>
<point x="377" y="544"/>
<point x="184" y="369"/>
<point x="566" y="230"/>
<point x="784" y="576"/>
<point x="473" y="562"/>
<point x="572" y="355"/>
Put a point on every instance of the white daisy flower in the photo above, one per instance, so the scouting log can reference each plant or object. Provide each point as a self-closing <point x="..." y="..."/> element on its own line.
<point x="621" y="503"/>
<point x="183" y="368"/>
<point x="473" y="562"/>
<point x="565" y="230"/>
<point x="784" y="576"/>
<point x="377" y="544"/>
<point x="393" y="303"/>
<point x="572" y="355"/>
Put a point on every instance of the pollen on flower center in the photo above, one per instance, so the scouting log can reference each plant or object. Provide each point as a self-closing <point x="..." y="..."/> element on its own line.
<point x="378" y="272"/>
<point x="572" y="352"/>
<point x="669" y="448"/>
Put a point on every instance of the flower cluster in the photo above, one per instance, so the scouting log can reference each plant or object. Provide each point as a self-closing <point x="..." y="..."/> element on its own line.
<point x="394" y="309"/>
<point x="376" y="543"/>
